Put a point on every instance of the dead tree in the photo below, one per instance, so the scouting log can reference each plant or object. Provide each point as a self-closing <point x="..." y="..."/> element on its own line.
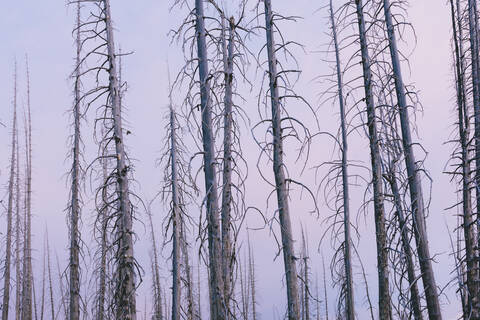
<point x="217" y="302"/>
<point x="75" y="175"/>
<point x="462" y="152"/>
<point x="415" y="188"/>
<point x="27" y="287"/>
<point x="18" y="244"/>
<point x="11" y="196"/>
<point x="98" y="43"/>
<point x="157" y="289"/>
<point x="385" y="312"/>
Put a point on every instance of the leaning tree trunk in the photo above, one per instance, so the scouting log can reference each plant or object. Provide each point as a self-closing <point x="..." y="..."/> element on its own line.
<point x="279" y="172"/>
<point x="385" y="309"/>
<point x="227" y="161"/>
<point x="125" y="303"/>
<point x="414" y="183"/>
<point x="349" y="302"/>
<point x="217" y="301"/>
<point x="74" y="264"/>
<point x="412" y="278"/>
<point x="11" y="181"/>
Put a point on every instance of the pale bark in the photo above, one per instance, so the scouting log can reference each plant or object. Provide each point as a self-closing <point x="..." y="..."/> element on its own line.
<point x="158" y="311"/>
<point x="217" y="301"/>
<point x="11" y="195"/>
<point x="252" y="280"/>
<point x="279" y="172"/>
<point x="27" y="294"/>
<point x="384" y="303"/>
<point x="414" y="182"/>
<point x="176" y="221"/>
<point x="227" y="46"/>
<point x="18" y="230"/>
<point x="472" y="262"/>
<point x="347" y="260"/>
<point x="125" y="300"/>
<point x="74" y="264"/>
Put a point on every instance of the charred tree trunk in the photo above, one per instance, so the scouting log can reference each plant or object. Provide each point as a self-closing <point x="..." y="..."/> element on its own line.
<point x="349" y="302"/>
<point x="416" y="193"/>
<point x="217" y="301"/>
<point x="228" y="46"/>
<point x="11" y="195"/>
<point x="279" y="172"/>
<point x="74" y="264"/>
<point x="18" y="230"/>
<point x="176" y="221"/>
<point x="125" y="301"/>
<point x="385" y="309"/>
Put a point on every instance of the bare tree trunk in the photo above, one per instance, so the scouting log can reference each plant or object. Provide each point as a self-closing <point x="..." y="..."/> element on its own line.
<point x="125" y="303"/>
<point x="347" y="260"/>
<point x="217" y="302"/>
<point x="416" y="194"/>
<point x="176" y="221"/>
<point x="18" y="230"/>
<point x="228" y="46"/>
<point x="11" y="194"/>
<point x="463" y="126"/>
<point x="74" y="265"/>
<point x="412" y="278"/>
<point x="158" y="312"/>
<point x="50" y="281"/>
<point x="306" y="294"/>
<point x="27" y="302"/>
<point x="44" y="272"/>
<point x="252" y="280"/>
<point x="325" y="295"/>
<point x="63" y="305"/>
<point x="472" y="262"/>
<point x="278" y="169"/>
<point x="188" y="275"/>
<point x="385" y="309"/>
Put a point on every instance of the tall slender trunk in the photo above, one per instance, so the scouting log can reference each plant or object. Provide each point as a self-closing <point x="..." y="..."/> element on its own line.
<point x="188" y="275"/>
<point x="385" y="309"/>
<point x="347" y="260"/>
<point x="18" y="230"/>
<point x="412" y="278"/>
<point x="227" y="46"/>
<point x="472" y="262"/>
<point x="217" y="301"/>
<point x="44" y="272"/>
<point x="74" y="265"/>
<point x="306" y="288"/>
<point x="11" y="195"/>
<point x="463" y="127"/>
<point x="125" y="303"/>
<point x="63" y="305"/>
<point x="279" y="172"/>
<point x="414" y="183"/>
<point x="158" y="312"/>
<point x="27" y="303"/>
<point x="252" y="280"/>
<point x="176" y="221"/>
<point x="103" y="220"/>
<point x="325" y="295"/>
<point x="50" y="281"/>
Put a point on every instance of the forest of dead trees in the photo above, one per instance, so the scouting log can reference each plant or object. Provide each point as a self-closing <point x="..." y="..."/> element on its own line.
<point x="196" y="227"/>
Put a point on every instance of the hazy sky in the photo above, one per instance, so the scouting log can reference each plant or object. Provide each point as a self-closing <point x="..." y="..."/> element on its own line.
<point x="43" y="30"/>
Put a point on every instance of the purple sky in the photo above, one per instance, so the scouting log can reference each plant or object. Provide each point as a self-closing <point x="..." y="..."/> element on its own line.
<point x="43" y="30"/>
